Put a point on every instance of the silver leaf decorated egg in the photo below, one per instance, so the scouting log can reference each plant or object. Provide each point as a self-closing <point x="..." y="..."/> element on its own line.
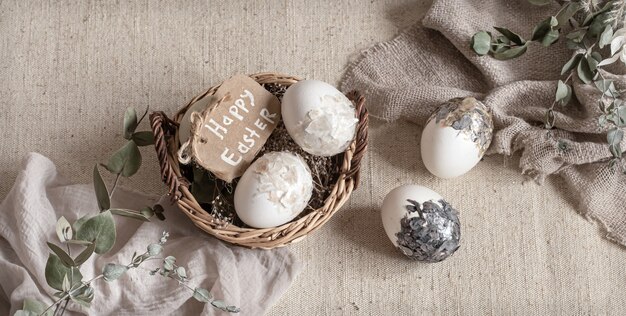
<point x="318" y="117"/>
<point x="420" y="223"/>
<point x="456" y="137"/>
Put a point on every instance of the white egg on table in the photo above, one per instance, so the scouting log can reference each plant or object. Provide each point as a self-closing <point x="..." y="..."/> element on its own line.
<point x="456" y="137"/>
<point x="318" y="117"/>
<point x="420" y="223"/>
<point x="273" y="190"/>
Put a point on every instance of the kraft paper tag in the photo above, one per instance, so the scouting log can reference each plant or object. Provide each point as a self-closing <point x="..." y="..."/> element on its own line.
<point x="227" y="136"/>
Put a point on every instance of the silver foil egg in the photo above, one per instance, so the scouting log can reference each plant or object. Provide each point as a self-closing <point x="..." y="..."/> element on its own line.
<point x="421" y="224"/>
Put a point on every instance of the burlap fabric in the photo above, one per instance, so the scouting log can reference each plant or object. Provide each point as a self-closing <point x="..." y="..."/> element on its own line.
<point x="431" y="62"/>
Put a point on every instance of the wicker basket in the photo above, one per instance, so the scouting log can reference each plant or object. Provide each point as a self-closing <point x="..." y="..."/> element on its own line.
<point x="166" y="144"/>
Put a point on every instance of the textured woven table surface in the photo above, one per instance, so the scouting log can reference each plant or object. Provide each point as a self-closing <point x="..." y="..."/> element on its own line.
<point x="68" y="69"/>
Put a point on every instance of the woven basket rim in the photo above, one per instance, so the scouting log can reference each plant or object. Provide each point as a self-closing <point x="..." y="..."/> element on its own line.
<point x="166" y="145"/>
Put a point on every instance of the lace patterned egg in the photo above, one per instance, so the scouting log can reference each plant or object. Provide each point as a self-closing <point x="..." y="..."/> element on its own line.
<point x="273" y="190"/>
<point x="456" y="137"/>
<point x="318" y="117"/>
<point x="420" y="223"/>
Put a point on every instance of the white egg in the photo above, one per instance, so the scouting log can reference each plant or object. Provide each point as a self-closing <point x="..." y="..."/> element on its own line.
<point x="273" y="190"/>
<point x="318" y="117"/>
<point x="456" y="137"/>
<point x="420" y="223"/>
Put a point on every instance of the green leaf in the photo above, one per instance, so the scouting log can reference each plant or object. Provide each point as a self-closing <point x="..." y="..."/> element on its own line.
<point x="64" y="229"/>
<point x="563" y="92"/>
<point x="79" y="242"/>
<point x="233" y="309"/>
<point x="593" y="63"/>
<point x="551" y="37"/>
<point x="147" y="212"/>
<point x="513" y="37"/>
<point x="79" y="222"/>
<point x="130" y="122"/>
<point x="550" y="119"/>
<point x="606" y="36"/>
<point x="584" y="72"/>
<point x="129" y="213"/>
<point x="202" y="295"/>
<point x="577" y="36"/>
<point x="99" y="229"/>
<point x="616" y="150"/>
<point x="540" y="2"/>
<point x="203" y="186"/>
<point x="542" y="29"/>
<point x="571" y="64"/>
<point x="65" y="287"/>
<point x="567" y="12"/>
<point x="63" y="256"/>
<point x="219" y="304"/>
<point x="621" y="116"/>
<point x="126" y="160"/>
<point x="481" y="42"/>
<point x="85" y="254"/>
<point x="180" y="271"/>
<point x="604" y="85"/>
<point x="84" y="296"/>
<point x="113" y="271"/>
<point x="36" y="307"/>
<point x="614" y="136"/>
<point x="154" y="249"/>
<point x="56" y="270"/>
<point x="102" y="194"/>
<point x="143" y="138"/>
<point x="511" y="53"/>
<point x="168" y="263"/>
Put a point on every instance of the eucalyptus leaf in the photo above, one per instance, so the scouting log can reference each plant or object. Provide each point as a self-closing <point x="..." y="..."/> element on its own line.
<point x="551" y="37"/>
<point x="616" y="150"/>
<point x="79" y="222"/>
<point x="102" y="194"/>
<point x="181" y="272"/>
<point x="609" y="61"/>
<point x="617" y="43"/>
<point x="614" y="136"/>
<point x="572" y="63"/>
<point x="604" y="85"/>
<point x="56" y="270"/>
<point x="481" y="42"/>
<point x="99" y="229"/>
<point x="540" y="2"/>
<point x="80" y="301"/>
<point x="202" y="295"/>
<point x="606" y="37"/>
<point x="155" y="249"/>
<point x="593" y="63"/>
<point x="84" y="295"/>
<point x="168" y="263"/>
<point x="147" y="212"/>
<point x="126" y="160"/>
<point x="85" y="254"/>
<point x="36" y="307"/>
<point x="65" y="287"/>
<point x="219" y="304"/>
<point x="79" y="242"/>
<point x="130" y="122"/>
<point x="63" y="256"/>
<point x="577" y="36"/>
<point x="513" y="37"/>
<point x="621" y="116"/>
<point x="563" y="92"/>
<point x="584" y="72"/>
<point x="143" y="138"/>
<point x="511" y="53"/>
<point x="22" y="312"/>
<point x="64" y="229"/>
<point x="543" y="28"/>
<point x="129" y="213"/>
<point x="567" y="12"/>
<point x="550" y="119"/>
<point x="233" y="309"/>
<point x="113" y="271"/>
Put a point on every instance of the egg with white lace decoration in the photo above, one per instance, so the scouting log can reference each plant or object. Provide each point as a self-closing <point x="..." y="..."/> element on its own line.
<point x="273" y="190"/>
<point x="456" y="137"/>
<point x="420" y="223"/>
<point x="318" y="117"/>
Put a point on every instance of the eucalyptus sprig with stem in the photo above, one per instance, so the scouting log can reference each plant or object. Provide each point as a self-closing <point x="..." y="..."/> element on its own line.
<point x="97" y="234"/>
<point x="593" y="25"/>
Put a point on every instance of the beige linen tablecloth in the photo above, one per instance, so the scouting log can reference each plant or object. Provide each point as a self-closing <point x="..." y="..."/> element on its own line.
<point x="68" y="69"/>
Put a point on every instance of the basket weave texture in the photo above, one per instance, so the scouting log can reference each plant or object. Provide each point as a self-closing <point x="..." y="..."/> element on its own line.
<point x="166" y="145"/>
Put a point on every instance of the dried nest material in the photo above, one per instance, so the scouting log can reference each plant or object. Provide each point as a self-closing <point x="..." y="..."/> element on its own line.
<point x="216" y="196"/>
